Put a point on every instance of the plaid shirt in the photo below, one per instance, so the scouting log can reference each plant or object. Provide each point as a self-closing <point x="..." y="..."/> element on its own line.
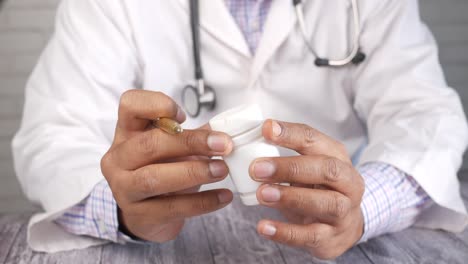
<point x="391" y="202"/>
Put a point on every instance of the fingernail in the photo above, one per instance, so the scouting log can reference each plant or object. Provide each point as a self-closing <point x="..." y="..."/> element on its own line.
<point x="224" y="197"/>
<point x="276" y="128"/>
<point x="218" y="169"/>
<point x="269" y="230"/>
<point x="271" y="194"/>
<point x="263" y="169"/>
<point x="217" y="142"/>
<point x="181" y="116"/>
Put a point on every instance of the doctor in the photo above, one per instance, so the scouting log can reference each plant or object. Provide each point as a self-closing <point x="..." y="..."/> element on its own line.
<point x="86" y="153"/>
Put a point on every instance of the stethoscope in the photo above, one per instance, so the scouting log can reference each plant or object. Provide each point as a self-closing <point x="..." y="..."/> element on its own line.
<point x="195" y="98"/>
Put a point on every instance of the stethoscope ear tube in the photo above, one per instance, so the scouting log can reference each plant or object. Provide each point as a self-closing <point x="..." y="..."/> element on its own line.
<point x="358" y="59"/>
<point x="322" y="62"/>
<point x="356" y="56"/>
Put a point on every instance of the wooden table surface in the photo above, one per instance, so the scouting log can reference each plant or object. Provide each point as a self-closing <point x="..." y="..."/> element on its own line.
<point x="229" y="236"/>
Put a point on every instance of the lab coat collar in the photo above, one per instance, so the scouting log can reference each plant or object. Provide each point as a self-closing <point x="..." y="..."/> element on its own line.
<point x="280" y="22"/>
<point x="216" y="20"/>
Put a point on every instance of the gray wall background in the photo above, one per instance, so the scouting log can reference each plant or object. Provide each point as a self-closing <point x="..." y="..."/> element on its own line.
<point x="25" y="26"/>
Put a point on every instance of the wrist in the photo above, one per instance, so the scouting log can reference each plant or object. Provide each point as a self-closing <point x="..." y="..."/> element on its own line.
<point x="122" y="227"/>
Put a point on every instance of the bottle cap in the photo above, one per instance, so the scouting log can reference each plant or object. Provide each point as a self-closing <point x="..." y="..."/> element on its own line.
<point x="238" y="120"/>
<point x="249" y="199"/>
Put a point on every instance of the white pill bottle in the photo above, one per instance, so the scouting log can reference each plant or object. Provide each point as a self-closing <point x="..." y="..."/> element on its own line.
<point x="244" y="124"/>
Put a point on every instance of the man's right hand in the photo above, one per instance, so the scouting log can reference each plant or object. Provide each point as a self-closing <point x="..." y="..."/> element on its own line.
<point x="154" y="175"/>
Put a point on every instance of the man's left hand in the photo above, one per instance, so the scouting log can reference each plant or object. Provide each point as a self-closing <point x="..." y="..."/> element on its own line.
<point x="323" y="202"/>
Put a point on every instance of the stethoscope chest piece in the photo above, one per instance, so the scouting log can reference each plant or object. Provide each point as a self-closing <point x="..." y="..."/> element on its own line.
<point x="196" y="97"/>
<point x="194" y="100"/>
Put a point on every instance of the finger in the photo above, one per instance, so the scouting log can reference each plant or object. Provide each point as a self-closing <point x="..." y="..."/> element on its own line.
<point x="327" y="206"/>
<point x="138" y="108"/>
<point x="205" y="127"/>
<point x="310" y="170"/>
<point x="155" y="146"/>
<point x="295" y="218"/>
<point x="170" y="208"/>
<point x="187" y="158"/>
<point x="303" y="139"/>
<point x="157" y="179"/>
<point x="305" y="236"/>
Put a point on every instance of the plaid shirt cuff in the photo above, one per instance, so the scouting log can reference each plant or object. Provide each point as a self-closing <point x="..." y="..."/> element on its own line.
<point x="392" y="200"/>
<point x="95" y="216"/>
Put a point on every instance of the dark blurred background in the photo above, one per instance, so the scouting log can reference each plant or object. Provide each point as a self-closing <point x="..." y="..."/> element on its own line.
<point x="25" y="26"/>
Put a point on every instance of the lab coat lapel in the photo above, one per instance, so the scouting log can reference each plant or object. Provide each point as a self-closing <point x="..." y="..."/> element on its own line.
<point x="216" y="19"/>
<point x="279" y="24"/>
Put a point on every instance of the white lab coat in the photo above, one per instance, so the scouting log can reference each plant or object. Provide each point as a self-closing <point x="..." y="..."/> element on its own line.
<point x="397" y="100"/>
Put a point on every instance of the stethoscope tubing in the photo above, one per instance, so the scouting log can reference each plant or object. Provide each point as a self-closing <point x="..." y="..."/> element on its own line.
<point x="206" y="96"/>
<point x="356" y="35"/>
<point x="195" y="28"/>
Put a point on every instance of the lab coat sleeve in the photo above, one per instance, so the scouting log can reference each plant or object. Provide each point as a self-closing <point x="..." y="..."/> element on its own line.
<point x="70" y="113"/>
<point x="415" y="121"/>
